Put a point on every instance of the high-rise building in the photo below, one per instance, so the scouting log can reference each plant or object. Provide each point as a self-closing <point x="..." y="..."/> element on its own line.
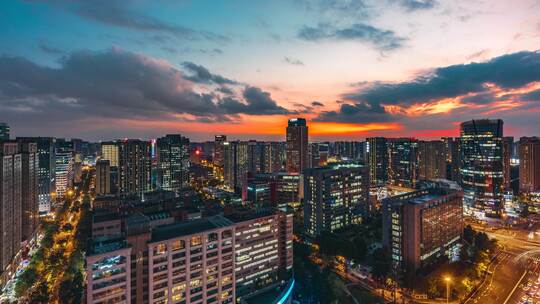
<point x="255" y="157"/>
<point x="47" y="170"/>
<point x="422" y="226"/>
<point x="172" y="162"/>
<point x="508" y="146"/>
<point x="297" y="145"/>
<point x="272" y="157"/>
<point x="453" y="158"/>
<point x="335" y="196"/>
<point x="109" y="151"/>
<point x="529" y="164"/>
<point x="378" y="160"/>
<point x="103" y="177"/>
<point x="431" y="160"/>
<point x="403" y="162"/>
<point x="4" y="131"/>
<point x="278" y="189"/>
<point x="219" y="150"/>
<point x="63" y="171"/>
<point x="134" y="167"/>
<point x="29" y="188"/>
<point x="482" y="166"/>
<point x="219" y="259"/>
<point x="10" y="205"/>
<point x="235" y="164"/>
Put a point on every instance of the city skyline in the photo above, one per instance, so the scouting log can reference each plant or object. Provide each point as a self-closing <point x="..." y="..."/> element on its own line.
<point x="353" y="69"/>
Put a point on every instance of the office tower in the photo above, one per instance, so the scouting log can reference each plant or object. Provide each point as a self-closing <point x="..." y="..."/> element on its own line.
<point x="46" y="172"/>
<point x="431" y="160"/>
<point x="348" y="150"/>
<point x="77" y="144"/>
<point x="314" y="158"/>
<point x="263" y="247"/>
<point x="103" y="177"/>
<point x="334" y="197"/>
<point x="453" y="158"/>
<point x="134" y="167"/>
<point x="172" y="162"/>
<point x="422" y="226"/>
<point x="109" y="151"/>
<point x="378" y="160"/>
<point x="235" y="164"/>
<point x="272" y="157"/>
<point x="297" y="145"/>
<point x="279" y="189"/>
<point x="29" y="186"/>
<point x="402" y="162"/>
<point x="508" y="146"/>
<point x="63" y="171"/>
<point x="219" y="152"/>
<point x="255" y="157"/>
<point x="10" y="204"/>
<point x="210" y="260"/>
<point x="482" y="168"/>
<point x="108" y="276"/>
<point x="4" y="131"/>
<point x="529" y="164"/>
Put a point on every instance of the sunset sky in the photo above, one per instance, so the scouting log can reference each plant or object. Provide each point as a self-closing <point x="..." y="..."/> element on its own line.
<point x="116" y="68"/>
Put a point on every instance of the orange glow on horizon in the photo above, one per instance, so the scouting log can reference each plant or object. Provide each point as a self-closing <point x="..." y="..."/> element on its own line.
<point x="265" y="125"/>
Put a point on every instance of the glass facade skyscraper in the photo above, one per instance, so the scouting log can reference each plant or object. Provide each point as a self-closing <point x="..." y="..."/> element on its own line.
<point x="482" y="166"/>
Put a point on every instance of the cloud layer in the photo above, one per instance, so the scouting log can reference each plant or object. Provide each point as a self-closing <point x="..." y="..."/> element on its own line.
<point x="383" y="40"/>
<point x="117" y="84"/>
<point x="474" y="83"/>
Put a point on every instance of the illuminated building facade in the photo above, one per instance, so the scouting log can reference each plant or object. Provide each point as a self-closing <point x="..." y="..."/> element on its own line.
<point x="46" y="170"/>
<point x="103" y="177"/>
<point x="108" y="271"/>
<point x="134" y="167"/>
<point x="273" y="189"/>
<point x="297" y="158"/>
<point x="529" y="164"/>
<point x="172" y="162"/>
<point x="334" y="197"/>
<point x="63" y="171"/>
<point x="482" y="166"/>
<point x="431" y="160"/>
<point x="402" y="162"/>
<point x="378" y="160"/>
<point x="109" y="151"/>
<point x="10" y="205"/>
<point x="210" y="260"/>
<point x="236" y="164"/>
<point x="422" y="226"/>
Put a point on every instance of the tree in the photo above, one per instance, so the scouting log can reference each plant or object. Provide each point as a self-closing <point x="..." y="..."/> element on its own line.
<point x="481" y="241"/>
<point x="468" y="234"/>
<point x="382" y="263"/>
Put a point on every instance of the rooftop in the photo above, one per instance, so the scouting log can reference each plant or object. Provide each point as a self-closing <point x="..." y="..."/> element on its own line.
<point x="106" y="244"/>
<point x="174" y="230"/>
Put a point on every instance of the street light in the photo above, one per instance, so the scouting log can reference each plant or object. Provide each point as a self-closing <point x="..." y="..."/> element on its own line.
<point x="447" y="279"/>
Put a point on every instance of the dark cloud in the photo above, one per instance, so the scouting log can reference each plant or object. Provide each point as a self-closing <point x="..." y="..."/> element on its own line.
<point x="51" y="50"/>
<point x="258" y="102"/>
<point x="317" y="104"/>
<point x="200" y="74"/>
<point x="119" y="13"/>
<point x="292" y="61"/>
<point x="114" y="85"/>
<point x="357" y="8"/>
<point x="506" y="72"/>
<point x="414" y="5"/>
<point x="383" y="40"/>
